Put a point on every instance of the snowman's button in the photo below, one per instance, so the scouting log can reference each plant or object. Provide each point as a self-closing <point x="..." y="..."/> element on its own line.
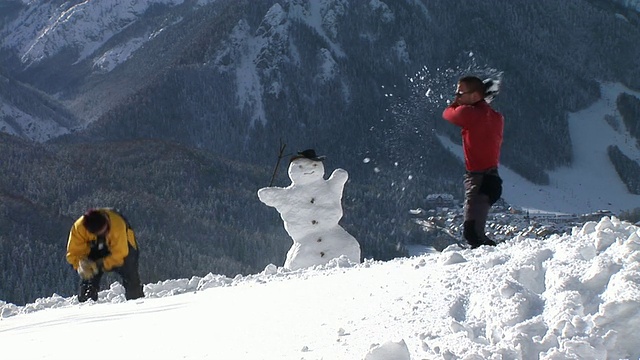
<point x="319" y="240"/>
<point x="314" y="222"/>
<point x="321" y="254"/>
<point x="313" y="200"/>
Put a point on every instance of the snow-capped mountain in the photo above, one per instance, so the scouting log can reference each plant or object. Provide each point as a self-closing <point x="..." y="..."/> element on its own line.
<point x="66" y="34"/>
<point x="46" y="29"/>
<point x="108" y="53"/>
<point x="131" y="103"/>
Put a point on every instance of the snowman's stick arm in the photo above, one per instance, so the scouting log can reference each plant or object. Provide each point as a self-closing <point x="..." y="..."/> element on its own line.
<point x="280" y="156"/>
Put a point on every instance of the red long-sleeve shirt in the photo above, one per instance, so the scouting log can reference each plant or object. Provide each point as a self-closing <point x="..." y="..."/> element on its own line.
<point x="482" y="129"/>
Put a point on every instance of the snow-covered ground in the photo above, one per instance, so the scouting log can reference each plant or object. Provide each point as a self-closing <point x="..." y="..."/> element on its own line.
<point x="591" y="183"/>
<point x="574" y="296"/>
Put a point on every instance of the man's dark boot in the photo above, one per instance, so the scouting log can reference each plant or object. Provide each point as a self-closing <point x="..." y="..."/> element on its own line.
<point x="87" y="291"/>
<point x="489" y="242"/>
<point x="132" y="286"/>
<point x="470" y="234"/>
<point x="133" y="292"/>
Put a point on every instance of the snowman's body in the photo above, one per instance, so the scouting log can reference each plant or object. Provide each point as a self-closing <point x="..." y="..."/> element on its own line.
<point x="311" y="208"/>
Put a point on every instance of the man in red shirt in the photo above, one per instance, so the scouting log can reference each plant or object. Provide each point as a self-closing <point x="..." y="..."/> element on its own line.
<point x="482" y="129"/>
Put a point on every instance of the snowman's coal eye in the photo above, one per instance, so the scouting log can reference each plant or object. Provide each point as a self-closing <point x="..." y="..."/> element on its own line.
<point x="300" y="166"/>
<point x="314" y="165"/>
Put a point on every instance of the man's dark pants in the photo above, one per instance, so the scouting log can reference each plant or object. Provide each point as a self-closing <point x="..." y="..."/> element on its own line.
<point x="128" y="273"/>
<point x="482" y="190"/>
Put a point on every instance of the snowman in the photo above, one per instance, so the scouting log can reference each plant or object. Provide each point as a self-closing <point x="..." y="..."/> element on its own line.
<point x="311" y="208"/>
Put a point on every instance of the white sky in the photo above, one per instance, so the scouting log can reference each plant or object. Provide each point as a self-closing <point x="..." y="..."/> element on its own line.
<point x="566" y="297"/>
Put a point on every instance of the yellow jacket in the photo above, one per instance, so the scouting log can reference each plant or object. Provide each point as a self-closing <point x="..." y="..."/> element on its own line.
<point x="118" y="239"/>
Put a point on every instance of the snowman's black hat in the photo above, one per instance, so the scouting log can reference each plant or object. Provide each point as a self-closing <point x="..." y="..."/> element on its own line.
<point x="308" y="154"/>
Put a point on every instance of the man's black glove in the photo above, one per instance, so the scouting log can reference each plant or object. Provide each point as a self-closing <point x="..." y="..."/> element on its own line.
<point x="492" y="187"/>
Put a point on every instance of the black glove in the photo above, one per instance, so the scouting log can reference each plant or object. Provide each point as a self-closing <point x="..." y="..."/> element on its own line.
<point x="492" y="187"/>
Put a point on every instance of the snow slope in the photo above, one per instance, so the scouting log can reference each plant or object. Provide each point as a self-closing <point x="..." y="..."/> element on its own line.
<point x="574" y="296"/>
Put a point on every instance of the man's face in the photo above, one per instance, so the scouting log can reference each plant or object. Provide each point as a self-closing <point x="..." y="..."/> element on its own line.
<point x="464" y="96"/>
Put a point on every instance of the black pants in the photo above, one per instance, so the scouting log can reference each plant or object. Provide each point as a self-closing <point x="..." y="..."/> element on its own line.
<point x="482" y="190"/>
<point x="128" y="273"/>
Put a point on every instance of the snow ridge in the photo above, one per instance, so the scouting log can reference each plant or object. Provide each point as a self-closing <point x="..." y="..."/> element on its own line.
<point x="44" y="30"/>
<point x="570" y="296"/>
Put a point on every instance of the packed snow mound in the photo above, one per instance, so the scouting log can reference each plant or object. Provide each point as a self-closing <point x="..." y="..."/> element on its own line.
<point x="568" y="296"/>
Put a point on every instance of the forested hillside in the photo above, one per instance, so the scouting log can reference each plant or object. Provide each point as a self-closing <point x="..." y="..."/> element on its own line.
<point x="193" y="212"/>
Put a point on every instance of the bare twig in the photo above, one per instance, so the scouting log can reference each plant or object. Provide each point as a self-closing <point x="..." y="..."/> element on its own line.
<point x="280" y="156"/>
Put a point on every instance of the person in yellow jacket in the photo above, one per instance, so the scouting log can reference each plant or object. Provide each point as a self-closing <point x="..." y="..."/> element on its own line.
<point x="100" y="241"/>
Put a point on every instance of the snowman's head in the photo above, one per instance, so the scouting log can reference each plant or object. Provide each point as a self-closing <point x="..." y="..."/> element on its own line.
<point x="303" y="170"/>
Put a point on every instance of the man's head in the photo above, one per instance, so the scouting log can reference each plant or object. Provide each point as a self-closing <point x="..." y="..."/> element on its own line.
<point x="470" y="90"/>
<point x="95" y="222"/>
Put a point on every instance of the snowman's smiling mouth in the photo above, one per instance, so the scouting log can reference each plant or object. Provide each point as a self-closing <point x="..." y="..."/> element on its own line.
<point x="309" y="173"/>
